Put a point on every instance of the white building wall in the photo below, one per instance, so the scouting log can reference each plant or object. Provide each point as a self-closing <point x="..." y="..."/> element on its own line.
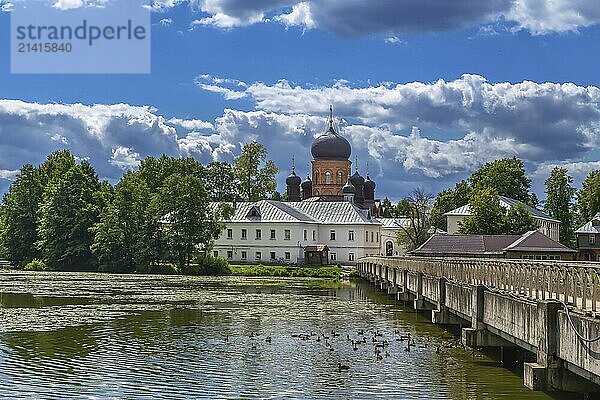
<point x="344" y="250"/>
<point x="389" y="235"/>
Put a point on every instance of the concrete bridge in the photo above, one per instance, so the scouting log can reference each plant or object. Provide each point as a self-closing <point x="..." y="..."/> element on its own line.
<point x="549" y="308"/>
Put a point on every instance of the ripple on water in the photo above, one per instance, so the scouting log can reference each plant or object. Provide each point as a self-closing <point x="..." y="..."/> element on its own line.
<point x="119" y="336"/>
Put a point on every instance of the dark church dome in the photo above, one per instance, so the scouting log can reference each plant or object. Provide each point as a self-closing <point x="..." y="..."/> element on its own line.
<point x="369" y="184"/>
<point x="330" y="146"/>
<point x="307" y="183"/>
<point x="348" y="189"/>
<point x="293" y="179"/>
<point x="357" y="180"/>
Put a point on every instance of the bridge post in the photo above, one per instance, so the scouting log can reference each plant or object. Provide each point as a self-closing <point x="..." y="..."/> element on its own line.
<point x="403" y="293"/>
<point x="548" y="372"/>
<point x="442" y="315"/>
<point x="478" y="335"/>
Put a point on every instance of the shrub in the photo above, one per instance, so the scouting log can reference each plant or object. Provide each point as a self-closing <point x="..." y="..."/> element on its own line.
<point x="159" y="269"/>
<point x="36" y="265"/>
<point x="209" y="266"/>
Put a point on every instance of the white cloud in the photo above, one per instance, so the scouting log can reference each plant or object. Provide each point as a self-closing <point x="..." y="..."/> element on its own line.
<point x="394" y="40"/>
<point x="165" y="22"/>
<point x="8" y="174"/>
<point x="125" y="158"/>
<point x="299" y="16"/>
<point x="191" y="124"/>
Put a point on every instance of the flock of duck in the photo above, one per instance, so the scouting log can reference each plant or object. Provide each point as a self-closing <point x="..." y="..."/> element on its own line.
<point x="374" y="338"/>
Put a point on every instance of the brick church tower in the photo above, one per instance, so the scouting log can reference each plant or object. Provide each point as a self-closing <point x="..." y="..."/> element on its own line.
<point x="331" y="164"/>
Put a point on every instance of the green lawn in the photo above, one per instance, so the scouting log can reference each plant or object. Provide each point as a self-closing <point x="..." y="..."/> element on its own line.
<point x="280" y="270"/>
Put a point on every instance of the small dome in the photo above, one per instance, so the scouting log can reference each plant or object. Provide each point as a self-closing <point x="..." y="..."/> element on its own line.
<point x="369" y="184"/>
<point x="307" y="183"/>
<point x="357" y="180"/>
<point x="348" y="189"/>
<point x="330" y="146"/>
<point x="293" y="180"/>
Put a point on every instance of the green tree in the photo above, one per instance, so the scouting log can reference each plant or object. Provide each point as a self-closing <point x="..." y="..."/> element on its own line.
<point x="559" y="201"/>
<point x="123" y="238"/>
<point x="189" y="224"/>
<point x="255" y="174"/>
<point x="447" y="201"/>
<point x="388" y="208"/>
<point x="518" y="221"/>
<point x="156" y="170"/>
<point x="70" y="208"/>
<point x="507" y="177"/>
<point x="416" y="231"/>
<point x="220" y="182"/>
<point x="56" y="165"/>
<point x="18" y="216"/>
<point x="487" y="215"/>
<point x="588" y="198"/>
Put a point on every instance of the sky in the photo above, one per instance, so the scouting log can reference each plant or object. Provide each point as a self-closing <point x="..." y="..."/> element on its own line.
<point x="426" y="91"/>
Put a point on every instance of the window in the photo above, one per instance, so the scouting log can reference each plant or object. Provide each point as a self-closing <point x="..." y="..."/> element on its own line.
<point x="288" y="256"/>
<point x="333" y="256"/>
<point x="287" y="234"/>
<point x="377" y="237"/>
<point x="244" y="255"/>
<point x="340" y="178"/>
<point x="350" y="256"/>
<point x="272" y="234"/>
<point x="314" y="236"/>
<point x="592" y="239"/>
<point x="229" y="254"/>
<point x="305" y="234"/>
<point x="371" y="236"/>
<point x="258" y="234"/>
<point x="366" y="236"/>
<point x="273" y="256"/>
<point x="332" y="235"/>
<point x="328" y="178"/>
<point x="244" y="234"/>
<point x="351" y="236"/>
<point x="216" y="253"/>
<point x="229" y="233"/>
<point x="258" y="255"/>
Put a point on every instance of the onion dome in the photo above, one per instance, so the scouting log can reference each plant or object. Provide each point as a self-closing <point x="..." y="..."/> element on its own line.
<point x="330" y="145"/>
<point x="357" y="180"/>
<point x="348" y="188"/>
<point x="369" y="184"/>
<point x="307" y="183"/>
<point x="293" y="179"/>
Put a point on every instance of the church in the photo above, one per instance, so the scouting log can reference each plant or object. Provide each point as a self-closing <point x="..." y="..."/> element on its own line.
<point x="332" y="217"/>
<point x="331" y="174"/>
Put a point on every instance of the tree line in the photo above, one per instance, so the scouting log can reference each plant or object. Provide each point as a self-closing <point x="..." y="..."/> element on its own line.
<point x="61" y="216"/>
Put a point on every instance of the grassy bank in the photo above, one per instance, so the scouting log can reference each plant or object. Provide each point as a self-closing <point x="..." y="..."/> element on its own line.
<point x="286" y="271"/>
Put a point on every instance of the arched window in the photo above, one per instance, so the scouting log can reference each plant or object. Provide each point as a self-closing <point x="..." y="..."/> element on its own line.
<point x="316" y="177"/>
<point x="340" y="178"/>
<point x="328" y="178"/>
<point x="389" y="249"/>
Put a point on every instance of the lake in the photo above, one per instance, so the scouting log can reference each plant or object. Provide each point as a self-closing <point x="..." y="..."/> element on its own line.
<point x="88" y="336"/>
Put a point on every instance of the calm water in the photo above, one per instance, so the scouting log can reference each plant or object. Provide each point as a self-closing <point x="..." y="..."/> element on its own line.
<point x="87" y="336"/>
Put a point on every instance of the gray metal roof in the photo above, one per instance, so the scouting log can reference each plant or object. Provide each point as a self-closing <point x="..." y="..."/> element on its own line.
<point x="393" y="222"/>
<point x="312" y="212"/>
<point x="533" y="241"/>
<point x="465" y="244"/>
<point x="505" y="202"/>
<point x="589" y="226"/>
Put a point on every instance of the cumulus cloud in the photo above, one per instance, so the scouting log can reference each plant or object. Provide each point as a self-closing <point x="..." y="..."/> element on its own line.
<point x="165" y="22"/>
<point x="425" y="134"/>
<point x="8" y="174"/>
<point x="125" y="158"/>
<point x="191" y="124"/>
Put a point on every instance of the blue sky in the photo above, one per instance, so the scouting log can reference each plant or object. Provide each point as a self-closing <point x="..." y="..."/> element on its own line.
<point x="424" y="94"/>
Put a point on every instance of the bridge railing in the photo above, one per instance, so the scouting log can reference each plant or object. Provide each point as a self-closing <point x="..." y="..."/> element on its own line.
<point x="575" y="283"/>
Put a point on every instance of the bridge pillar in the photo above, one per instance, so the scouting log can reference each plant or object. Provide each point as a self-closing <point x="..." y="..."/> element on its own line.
<point x="403" y="292"/>
<point x="478" y="335"/>
<point x="548" y="372"/>
<point x="442" y="315"/>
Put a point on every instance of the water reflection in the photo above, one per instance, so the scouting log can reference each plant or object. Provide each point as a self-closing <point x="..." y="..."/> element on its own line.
<point x="114" y="336"/>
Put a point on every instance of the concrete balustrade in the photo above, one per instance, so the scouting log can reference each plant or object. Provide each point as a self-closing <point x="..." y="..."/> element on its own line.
<point x="507" y="304"/>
